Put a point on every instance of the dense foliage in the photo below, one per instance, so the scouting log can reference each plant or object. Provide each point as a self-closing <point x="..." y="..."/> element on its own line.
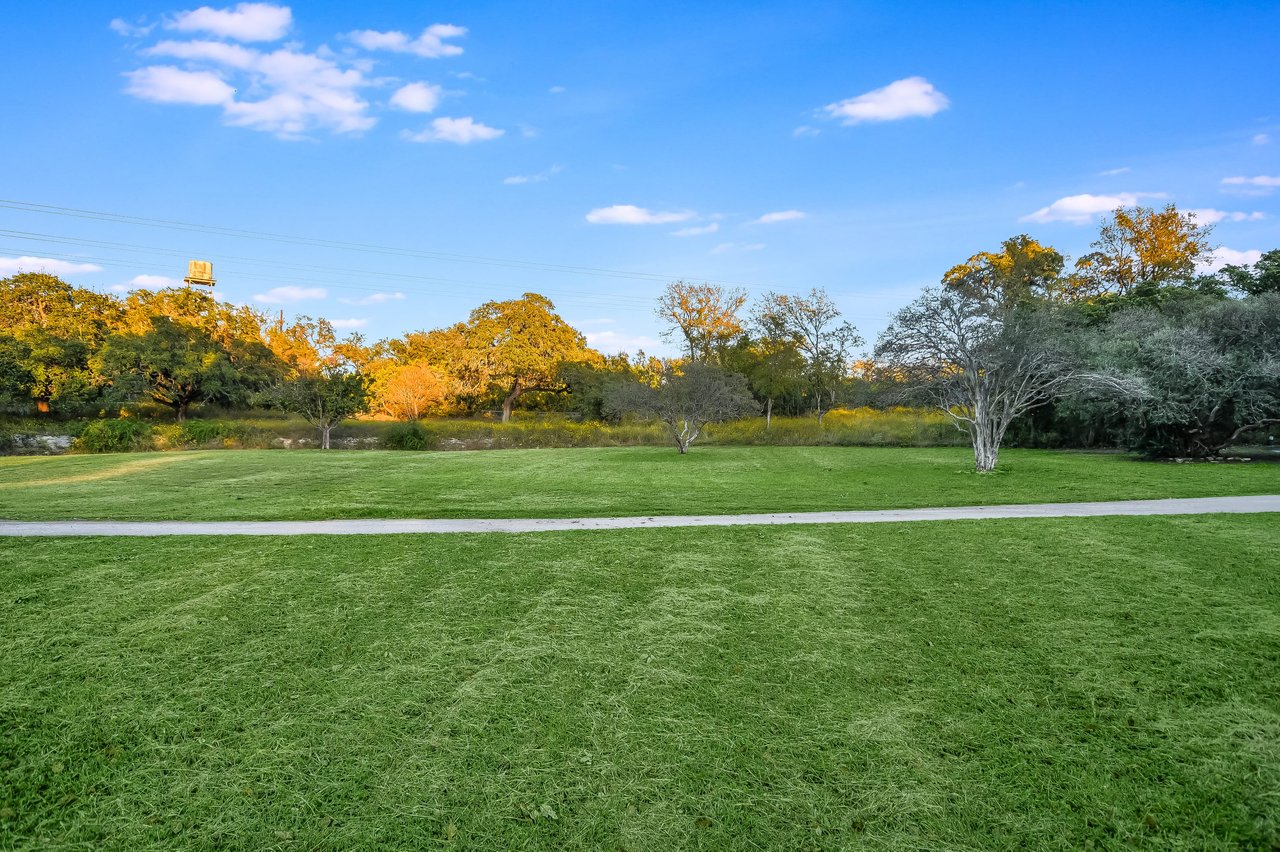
<point x="1016" y="346"/>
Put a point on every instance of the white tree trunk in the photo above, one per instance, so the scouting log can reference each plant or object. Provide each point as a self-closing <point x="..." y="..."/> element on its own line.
<point x="985" y="452"/>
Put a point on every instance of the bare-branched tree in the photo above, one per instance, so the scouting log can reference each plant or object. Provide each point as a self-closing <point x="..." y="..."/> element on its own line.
<point x="983" y="365"/>
<point x="686" y="400"/>
<point x="813" y="324"/>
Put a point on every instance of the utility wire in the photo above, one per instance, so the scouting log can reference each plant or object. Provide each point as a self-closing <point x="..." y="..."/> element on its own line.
<point x="341" y="283"/>
<point x="586" y="299"/>
<point x="103" y="216"/>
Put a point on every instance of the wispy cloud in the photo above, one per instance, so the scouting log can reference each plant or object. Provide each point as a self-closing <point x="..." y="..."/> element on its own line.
<point x="1224" y="256"/>
<point x="1256" y="185"/>
<point x="459" y="131"/>
<point x="1209" y="216"/>
<point x="417" y="97"/>
<point x="539" y="177"/>
<point x="26" y="263"/>
<point x="146" y="282"/>
<point x="151" y="282"/>
<point x="289" y="294"/>
<point x="557" y="90"/>
<point x="805" y="131"/>
<point x="610" y="341"/>
<point x="166" y="84"/>
<point x="629" y="214"/>
<point x="912" y="97"/>
<point x="1123" y="170"/>
<point x="1261" y="139"/>
<point x="296" y="91"/>
<point x="697" y="230"/>
<point x="350" y="322"/>
<point x="1080" y="209"/>
<point x="724" y="248"/>
<point x="779" y="216"/>
<point x="429" y="45"/>
<point x="122" y="27"/>
<point x="245" y="22"/>
<point x="374" y="299"/>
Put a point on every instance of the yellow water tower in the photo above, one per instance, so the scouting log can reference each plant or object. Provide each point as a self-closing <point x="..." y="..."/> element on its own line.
<point x="200" y="273"/>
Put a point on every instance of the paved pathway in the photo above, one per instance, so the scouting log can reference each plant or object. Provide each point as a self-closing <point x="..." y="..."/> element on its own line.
<point x="1188" y="506"/>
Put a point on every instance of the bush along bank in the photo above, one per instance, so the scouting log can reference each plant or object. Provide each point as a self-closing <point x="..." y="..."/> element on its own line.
<point x="900" y="427"/>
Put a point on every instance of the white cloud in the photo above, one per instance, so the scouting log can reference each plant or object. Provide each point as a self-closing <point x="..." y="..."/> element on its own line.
<point x="429" y="45"/>
<point x="1080" y="209"/>
<point x="1256" y="185"/>
<point x="629" y="214"/>
<point x="545" y="174"/>
<point x="26" y="263"/>
<point x="124" y="28"/>
<point x="351" y="322"/>
<point x="459" y="131"/>
<point x="780" y="216"/>
<point x="697" y="230"/>
<point x="557" y="90"/>
<point x="1209" y="216"/>
<point x="168" y="85"/>
<point x="297" y="91"/>
<point x="290" y="293"/>
<point x="722" y="248"/>
<point x="1112" y="172"/>
<point x="417" y="97"/>
<point x="146" y="282"/>
<point x="153" y="282"/>
<point x="908" y="98"/>
<point x="610" y="341"/>
<point x="374" y="299"/>
<point x="805" y="131"/>
<point x="246" y="22"/>
<point x="1221" y="257"/>
<point x="1261" y="139"/>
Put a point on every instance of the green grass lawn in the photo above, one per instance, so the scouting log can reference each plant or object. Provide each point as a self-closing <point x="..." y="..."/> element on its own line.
<point x="1048" y="684"/>
<point x="266" y="484"/>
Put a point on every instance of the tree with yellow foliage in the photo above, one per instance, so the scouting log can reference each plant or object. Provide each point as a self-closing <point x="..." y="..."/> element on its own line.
<point x="1140" y="245"/>
<point x="1021" y="271"/>
<point x="408" y="391"/>
<point x="705" y="315"/>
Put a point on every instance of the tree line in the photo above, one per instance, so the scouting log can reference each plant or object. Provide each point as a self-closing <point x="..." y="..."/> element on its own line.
<point x="1129" y="346"/>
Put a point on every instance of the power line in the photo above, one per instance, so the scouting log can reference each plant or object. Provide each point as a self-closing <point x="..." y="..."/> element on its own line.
<point x="104" y="216"/>
<point x="396" y="277"/>
<point x="587" y="299"/>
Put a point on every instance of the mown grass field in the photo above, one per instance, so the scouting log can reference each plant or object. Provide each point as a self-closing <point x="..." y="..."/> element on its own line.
<point x="1049" y="684"/>
<point x="266" y="484"/>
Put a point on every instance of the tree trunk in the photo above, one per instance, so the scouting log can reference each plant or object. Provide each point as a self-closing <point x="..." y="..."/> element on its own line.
<point x="986" y="450"/>
<point x="181" y="411"/>
<point x="768" y="414"/>
<point x="509" y="400"/>
<point x="324" y="436"/>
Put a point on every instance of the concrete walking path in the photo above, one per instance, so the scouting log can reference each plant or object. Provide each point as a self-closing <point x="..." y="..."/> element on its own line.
<point x="1182" y="506"/>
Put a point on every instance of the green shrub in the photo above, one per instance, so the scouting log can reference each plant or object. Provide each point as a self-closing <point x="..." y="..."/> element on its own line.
<point x="409" y="436"/>
<point x="114" y="436"/>
<point x="210" y="434"/>
<point x="858" y="427"/>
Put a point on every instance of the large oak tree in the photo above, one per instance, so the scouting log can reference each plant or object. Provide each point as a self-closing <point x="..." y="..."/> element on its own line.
<point x="518" y="347"/>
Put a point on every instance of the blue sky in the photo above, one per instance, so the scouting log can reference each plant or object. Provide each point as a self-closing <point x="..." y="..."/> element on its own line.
<point x="860" y="147"/>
